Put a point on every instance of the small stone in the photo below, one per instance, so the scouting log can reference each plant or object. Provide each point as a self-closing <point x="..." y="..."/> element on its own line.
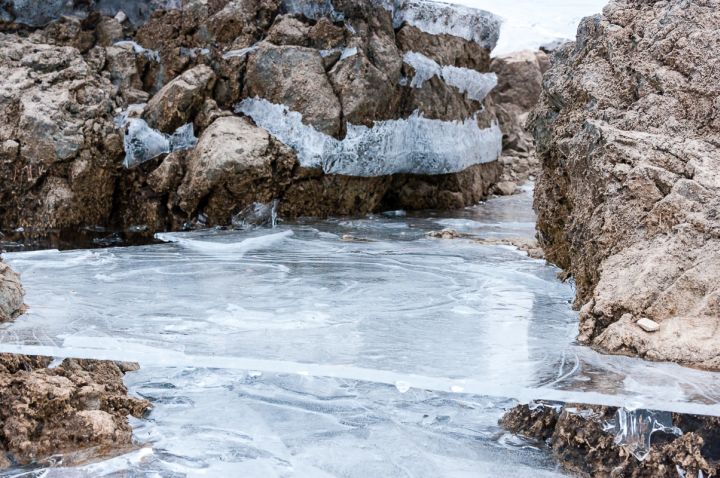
<point x="648" y="325"/>
<point x="120" y="17"/>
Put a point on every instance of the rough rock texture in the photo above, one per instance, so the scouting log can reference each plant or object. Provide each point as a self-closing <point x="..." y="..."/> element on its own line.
<point x="575" y="435"/>
<point x="11" y="293"/>
<point x="519" y="87"/>
<point x="65" y="79"/>
<point x="628" y="132"/>
<point x="80" y="407"/>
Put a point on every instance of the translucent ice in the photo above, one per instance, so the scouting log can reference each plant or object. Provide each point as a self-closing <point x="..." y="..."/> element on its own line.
<point x="312" y="9"/>
<point x="143" y="143"/>
<point x="257" y="215"/>
<point x="633" y="429"/>
<point x="477" y="85"/>
<point x="414" y="145"/>
<point x="151" y="55"/>
<point x="348" y="52"/>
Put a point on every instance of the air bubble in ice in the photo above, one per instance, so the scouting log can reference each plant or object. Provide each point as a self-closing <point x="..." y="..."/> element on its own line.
<point x="402" y="387"/>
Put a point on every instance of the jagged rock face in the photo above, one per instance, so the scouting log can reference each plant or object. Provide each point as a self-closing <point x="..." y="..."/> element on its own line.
<point x="79" y="407"/>
<point x="339" y="65"/>
<point x="628" y="132"/>
<point x="11" y="293"/>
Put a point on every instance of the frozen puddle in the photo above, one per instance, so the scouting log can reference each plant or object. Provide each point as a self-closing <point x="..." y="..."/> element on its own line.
<point x="295" y="353"/>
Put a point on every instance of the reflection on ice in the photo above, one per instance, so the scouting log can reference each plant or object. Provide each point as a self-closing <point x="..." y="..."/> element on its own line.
<point x="388" y="355"/>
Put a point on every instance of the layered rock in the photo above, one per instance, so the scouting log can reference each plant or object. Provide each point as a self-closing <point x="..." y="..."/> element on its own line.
<point x="339" y="66"/>
<point x="78" y="409"/>
<point x="628" y="132"/>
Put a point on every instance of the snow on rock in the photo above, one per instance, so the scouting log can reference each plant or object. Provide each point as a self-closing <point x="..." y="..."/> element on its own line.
<point x="415" y="145"/>
<point x="477" y="85"/>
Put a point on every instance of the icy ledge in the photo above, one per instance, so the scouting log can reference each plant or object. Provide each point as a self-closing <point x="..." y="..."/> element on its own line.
<point x="435" y="18"/>
<point x="477" y="85"/>
<point x="415" y="145"/>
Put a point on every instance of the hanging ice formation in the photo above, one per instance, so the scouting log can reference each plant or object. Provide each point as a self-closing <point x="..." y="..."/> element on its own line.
<point x="477" y="85"/>
<point x="415" y="145"/>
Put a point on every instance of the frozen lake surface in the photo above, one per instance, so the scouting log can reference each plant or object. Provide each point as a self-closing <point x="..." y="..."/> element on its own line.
<point x="339" y="348"/>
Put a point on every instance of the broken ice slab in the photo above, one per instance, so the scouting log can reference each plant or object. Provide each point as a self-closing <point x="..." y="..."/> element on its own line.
<point x="257" y="215"/>
<point x="633" y="429"/>
<point x="143" y="143"/>
<point x="475" y="84"/>
<point x="414" y="145"/>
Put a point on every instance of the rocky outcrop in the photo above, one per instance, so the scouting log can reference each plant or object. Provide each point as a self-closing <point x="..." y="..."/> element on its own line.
<point x="78" y="409"/>
<point x="628" y="133"/>
<point x="11" y="293"/>
<point x="577" y="437"/>
<point x="69" y="85"/>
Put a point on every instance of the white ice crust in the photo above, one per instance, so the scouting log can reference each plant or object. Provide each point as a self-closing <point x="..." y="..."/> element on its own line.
<point x="415" y="145"/>
<point x="475" y="84"/>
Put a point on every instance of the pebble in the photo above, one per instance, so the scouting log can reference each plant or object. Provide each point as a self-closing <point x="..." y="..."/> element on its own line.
<point x="648" y="325"/>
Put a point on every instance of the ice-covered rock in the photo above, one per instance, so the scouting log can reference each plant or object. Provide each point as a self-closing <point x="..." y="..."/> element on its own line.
<point x="475" y="84"/>
<point x="414" y="145"/>
<point x="633" y="429"/>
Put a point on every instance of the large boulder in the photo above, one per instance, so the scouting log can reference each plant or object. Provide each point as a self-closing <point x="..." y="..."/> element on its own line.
<point x="234" y="164"/>
<point x="628" y="132"/>
<point x="11" y="293"/>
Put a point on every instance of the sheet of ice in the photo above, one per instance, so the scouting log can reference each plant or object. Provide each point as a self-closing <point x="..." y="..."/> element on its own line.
<point x="389" y="355"/>
<point x="413" y="145"/>
<point x="477" y="85"/>
<point x="528" y="24"/>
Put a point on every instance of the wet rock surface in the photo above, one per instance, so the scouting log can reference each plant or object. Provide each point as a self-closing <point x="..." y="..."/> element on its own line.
<point x="627" y="131"/>
<point x="576" y="435"/>
<point x="79" y="408"/>
<point x="67" y="78"/>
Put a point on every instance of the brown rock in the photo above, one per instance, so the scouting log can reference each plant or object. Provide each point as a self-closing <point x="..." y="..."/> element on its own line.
<point x="288" y="30"/>
<point x="294" y="76"/>
<point x="81" y="405"/>
<point x="234" y="164"/>
<point x="180" y="100"/>
<point x="628" y="134"/>
<point x="11" y="293"/>
<point x="576" y="437"/>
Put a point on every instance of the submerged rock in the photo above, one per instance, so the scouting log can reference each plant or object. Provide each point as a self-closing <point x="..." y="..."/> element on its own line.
<point x="628" y="133"/>
<point x="78" y="408"/>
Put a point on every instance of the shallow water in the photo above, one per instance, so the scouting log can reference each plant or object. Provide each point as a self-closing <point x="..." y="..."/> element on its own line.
<point x="334" y="348"/>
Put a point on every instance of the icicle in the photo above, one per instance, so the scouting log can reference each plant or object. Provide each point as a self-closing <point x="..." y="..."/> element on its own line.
<point x="633" y="429"/>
